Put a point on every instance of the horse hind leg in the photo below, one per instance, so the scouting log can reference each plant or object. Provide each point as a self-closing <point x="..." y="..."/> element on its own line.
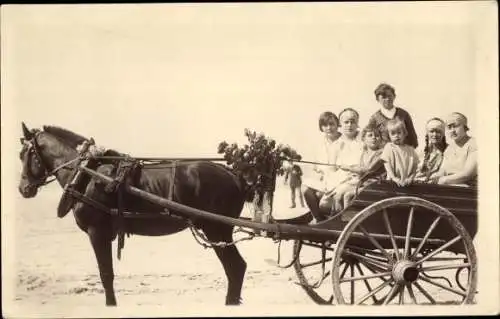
<point x="101" y="243"/>
<point x="234" y="265"/>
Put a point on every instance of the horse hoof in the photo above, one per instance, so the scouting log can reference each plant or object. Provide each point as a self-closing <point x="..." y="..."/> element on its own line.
<point x="233" y="302"/>
<point x="111" y="303"/>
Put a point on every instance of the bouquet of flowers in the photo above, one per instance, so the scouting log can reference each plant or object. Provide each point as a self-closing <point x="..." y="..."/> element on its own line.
<point x="258" y="163"/>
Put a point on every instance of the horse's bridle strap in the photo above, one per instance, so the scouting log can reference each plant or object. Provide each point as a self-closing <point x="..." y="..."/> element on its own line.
<point x="43" y="180"/>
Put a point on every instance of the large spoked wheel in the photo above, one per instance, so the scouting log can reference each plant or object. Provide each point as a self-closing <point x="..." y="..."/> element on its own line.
<point x="407" y="259"/>
<point x="313" y="267"/>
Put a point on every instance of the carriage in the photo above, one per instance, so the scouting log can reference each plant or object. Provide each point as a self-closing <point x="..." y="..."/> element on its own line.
<point x="391" y="245"/>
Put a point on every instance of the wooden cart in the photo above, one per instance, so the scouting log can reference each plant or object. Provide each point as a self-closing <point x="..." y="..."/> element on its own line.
<point x="391" y="245"/>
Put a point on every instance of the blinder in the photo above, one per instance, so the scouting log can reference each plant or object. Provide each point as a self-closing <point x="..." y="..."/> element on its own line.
<point x="33" y="157"/>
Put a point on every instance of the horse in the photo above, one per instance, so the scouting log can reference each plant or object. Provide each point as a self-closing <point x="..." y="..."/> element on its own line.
<point x="204" y="185"/>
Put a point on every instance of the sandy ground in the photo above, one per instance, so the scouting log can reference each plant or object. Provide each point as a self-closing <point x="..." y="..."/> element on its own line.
<point x="55" y="272"/>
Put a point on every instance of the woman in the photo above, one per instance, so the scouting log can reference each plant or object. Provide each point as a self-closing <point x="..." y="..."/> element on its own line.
<point x="315" y="187"/>
<point x="459" y="165"/>
<point x="435" y="145"/>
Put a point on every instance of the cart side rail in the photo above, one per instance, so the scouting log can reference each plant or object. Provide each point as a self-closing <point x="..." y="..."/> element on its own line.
<point x="458" y="200"/>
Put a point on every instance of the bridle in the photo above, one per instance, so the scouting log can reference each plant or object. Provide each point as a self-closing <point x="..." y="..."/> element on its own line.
<point x="34" y="148"/>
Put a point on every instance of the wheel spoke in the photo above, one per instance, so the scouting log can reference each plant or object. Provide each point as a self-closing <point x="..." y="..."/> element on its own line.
<point x="373" y="292"/>
<point x="425" y="293"/>
<point x="402" y="295"/>
<point x="367" y="284"/>
<point x="366" y="251"/>
<point x="344" y="271"/>
<point x="391" y="294"/>
<point x="445" y="259"/>
<point x="389" y="230"/>
<point x="368" y="259"/>
<point x="437" y="251"/>
<point x="375" y="269"/>
<point x="375" y="242"/>
<point x="366" y="276"/>
<point x="408" y="233"/>
<point x="427" y="234"/>
<point x="412" y="295"/>
<point x="352" y="284"/>
<point x="458" y="292"/>
<point x="442" y="267"/>
<point x="314" y="263"/>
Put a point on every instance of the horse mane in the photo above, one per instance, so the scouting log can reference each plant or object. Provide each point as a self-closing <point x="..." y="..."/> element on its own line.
<point x="70" y="138"/>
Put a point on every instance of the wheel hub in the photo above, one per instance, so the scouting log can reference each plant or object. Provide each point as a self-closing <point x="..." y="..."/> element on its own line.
<point x="405" y="271"/>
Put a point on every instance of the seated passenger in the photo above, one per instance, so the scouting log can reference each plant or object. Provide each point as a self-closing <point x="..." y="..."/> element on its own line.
<point x="385" y="95"/>
<point x="435" y="145"/>
<point x="372" y="150"/>
<point x="315" y="186"/>
<point x="400" y="160"/>
<point x="347" y="149"/>
<point x="459" y="165"/>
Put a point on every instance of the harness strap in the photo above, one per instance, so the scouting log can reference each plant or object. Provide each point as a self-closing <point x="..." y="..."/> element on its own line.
<point x="88" y="200"/>
<point x="120" y="222"/>
<point x="171" y="188"/>
<point x="76" y="172"/>
<point x="123" y="170"/>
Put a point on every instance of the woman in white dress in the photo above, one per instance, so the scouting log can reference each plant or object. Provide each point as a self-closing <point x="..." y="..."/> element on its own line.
<point x="315" y="186"/>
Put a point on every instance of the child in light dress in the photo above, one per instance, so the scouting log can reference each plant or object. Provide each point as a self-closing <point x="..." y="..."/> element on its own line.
<point x="372" y="150"/>
<point x="400" y="159"/>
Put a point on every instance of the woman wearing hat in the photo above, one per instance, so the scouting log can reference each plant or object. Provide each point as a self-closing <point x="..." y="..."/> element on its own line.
<point x="460" y="157"/>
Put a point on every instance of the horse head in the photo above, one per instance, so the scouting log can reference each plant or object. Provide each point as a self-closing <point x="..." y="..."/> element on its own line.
<point x="42" y="152"/>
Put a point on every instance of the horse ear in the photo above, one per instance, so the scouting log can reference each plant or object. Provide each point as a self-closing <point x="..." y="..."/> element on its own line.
<point x="27" y="133"/>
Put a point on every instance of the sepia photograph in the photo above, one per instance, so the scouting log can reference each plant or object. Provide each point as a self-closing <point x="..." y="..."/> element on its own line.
<point x="250" y="159"/>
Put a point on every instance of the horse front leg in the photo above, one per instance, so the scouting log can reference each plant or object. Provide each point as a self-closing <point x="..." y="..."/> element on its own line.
<point x="101" y="243"/>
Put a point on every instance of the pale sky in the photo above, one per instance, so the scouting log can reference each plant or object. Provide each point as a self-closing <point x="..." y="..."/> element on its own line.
<point x="174" y="80"/>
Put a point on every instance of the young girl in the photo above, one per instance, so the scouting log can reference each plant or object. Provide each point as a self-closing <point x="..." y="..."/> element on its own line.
<point x="400" y="159"/>
<point x="347" y="151"/>
<point x="435" y="145"/>
<point x="372" y="150"/>
<point x="315" y="186"/>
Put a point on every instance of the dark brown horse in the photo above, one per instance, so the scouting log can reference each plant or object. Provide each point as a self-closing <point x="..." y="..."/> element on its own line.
<point x="204" y="185"/>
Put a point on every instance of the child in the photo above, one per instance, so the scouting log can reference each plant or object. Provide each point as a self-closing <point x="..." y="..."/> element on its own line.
<point x="400" y="159"/>
<point x="385" y="95"/>
<point x="435" y="145"/>
<point x="295" y="182"/>
<point x="347" y="150"/>
<point x="372" y="151"/>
